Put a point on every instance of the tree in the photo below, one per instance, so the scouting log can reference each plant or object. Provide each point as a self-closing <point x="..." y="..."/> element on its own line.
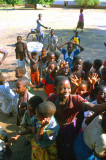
<point x="13" y="2"/>
<point x="35" y="2"/>
<point x="87" y="3"/>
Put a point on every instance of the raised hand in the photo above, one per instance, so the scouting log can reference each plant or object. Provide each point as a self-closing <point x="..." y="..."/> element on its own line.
<point x="94" y="78"/>
<point x="75" y="80"/>
<point x="45" y="122"/>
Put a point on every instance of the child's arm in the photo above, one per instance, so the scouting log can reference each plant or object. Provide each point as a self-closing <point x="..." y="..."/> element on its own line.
<point x="42" y="25"/>
<point x="81" y="48"/>
<point x="34" y="61"/>
<point x="76" y="81"/>
<point x="5" y="53"/>
<point x="41" y="129"/>
<point x="61" y="45"/>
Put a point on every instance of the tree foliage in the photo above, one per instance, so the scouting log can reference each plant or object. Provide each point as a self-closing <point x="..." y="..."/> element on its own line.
<point x="13" y="2"/>
<point x="40" y="1"/>
<point x="87" y="3"/>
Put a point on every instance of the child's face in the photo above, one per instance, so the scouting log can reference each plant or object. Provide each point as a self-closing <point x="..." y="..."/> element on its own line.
<point x="84" y="67"/>
<point x="43" y="51"/>
<point x="63" y="90"/>
<point x="33" y="56"/>
<point x="101" y="96"/>
<point x="31" y="112"/>
<point x="20" y="88"/>
<point x="18" y="74"/>
<point x="77" y="64"/>
<point x="81" y="89"/>
<point x="51" y="58"/>
<point x="52" y="32"/>
<point x="19" y="39"/>
<point x="51" y="68"/>
<point x="40" y="16"/>
<point x="76" y="34"/>
<point x="70" y="48"/>
<point x="65" y="70"/>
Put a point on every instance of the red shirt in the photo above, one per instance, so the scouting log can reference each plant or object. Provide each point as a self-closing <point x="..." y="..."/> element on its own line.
<point x="65" y="113"/>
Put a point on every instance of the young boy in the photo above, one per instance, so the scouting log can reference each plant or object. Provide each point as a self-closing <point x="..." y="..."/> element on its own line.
<point x="40" y="27"/>
<point x="70" y="53"/>
<point x="22" y="96"/>
<point x="48" y="79"/>
<point x="34" y="68"/>
<point x="20" y="52"/>
<point x="44" y="141"/>
<point x="86" y="66"/>
<point x="76" y="38"/>
<point x="52" y="41"/>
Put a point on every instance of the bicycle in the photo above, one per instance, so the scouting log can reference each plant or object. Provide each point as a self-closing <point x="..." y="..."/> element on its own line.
<point x="35" y="35"/>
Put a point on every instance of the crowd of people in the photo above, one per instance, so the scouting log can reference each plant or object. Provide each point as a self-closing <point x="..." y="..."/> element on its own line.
<point x="70" y="124"/>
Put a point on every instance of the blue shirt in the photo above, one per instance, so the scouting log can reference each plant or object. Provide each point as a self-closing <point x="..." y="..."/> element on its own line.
<point x="69" y="59"/>
<point x="50" y="132"/>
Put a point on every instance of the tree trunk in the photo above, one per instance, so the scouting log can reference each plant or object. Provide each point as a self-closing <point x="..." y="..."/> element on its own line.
<point x="35" y="6"/>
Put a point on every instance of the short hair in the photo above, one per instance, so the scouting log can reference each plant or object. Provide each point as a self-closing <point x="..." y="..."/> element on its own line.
<point x="50" y="53"/>
<point x="2" y="79"/>
<point x="98" y="62"/>
<point x="19" y="37"/>
<point x="99" y="88"/>
<point x="35" y="101"/>
<point x="75" y="59"/>
<point x="21" y="69"/>
<point x="59" y="79"/>
<point x="46" y="109"/>
<point x="54" y="63"/>
<point x="57" y="55"/>
<point x="87" y="64"/>
<point x="103" y="70"/>
<point x="40" y="14"/>
<point x="24" y="80"/>
<point x="33" y="53"/>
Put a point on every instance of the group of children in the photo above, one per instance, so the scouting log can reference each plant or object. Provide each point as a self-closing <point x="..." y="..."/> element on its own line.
<point x="71" y="123"/>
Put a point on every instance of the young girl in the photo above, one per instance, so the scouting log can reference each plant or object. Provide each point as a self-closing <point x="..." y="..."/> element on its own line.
<point x="44" y="141"/>
<point x="81" y="21"/>
<point x="6" y="96"/>
<point x="67" y="107"/>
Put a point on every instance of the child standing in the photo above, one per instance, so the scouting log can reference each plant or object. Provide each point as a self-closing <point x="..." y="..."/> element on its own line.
<point x="44" y="141"/>
<point x="20" y="52"/>
<point x="34" y="68"/>
<point x="42" y="60"/>
<point x="48" y="79"/>
<point x="6" y="96"/>
<point x="81" y="20"/>
<point x="52" y="41"/>
<point x="67" y="107"/>
<point x="76" y="39"/>
<point x="97" y="64"/>
<point x="86" y="66"/>
<point x="22" y="96"/>
<point x="70" y="53"/>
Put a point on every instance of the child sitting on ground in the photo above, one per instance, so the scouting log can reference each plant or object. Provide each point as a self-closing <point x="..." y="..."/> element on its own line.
<point x="34" y="68"/>
<point x="6" y="96"/>
<point x="48" y="79"/>
<point x="91" y="144"/>
<point x="86" y="66"/>
<point x="67" y="107"/>
<point x="44" y="141"/>
<point x="20" y="52"/>
<point x="22" y="96"/>
<point x="42" y="60"/>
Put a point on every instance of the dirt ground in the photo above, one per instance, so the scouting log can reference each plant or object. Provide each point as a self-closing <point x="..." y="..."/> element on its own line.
<point x="19" y="21"/>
